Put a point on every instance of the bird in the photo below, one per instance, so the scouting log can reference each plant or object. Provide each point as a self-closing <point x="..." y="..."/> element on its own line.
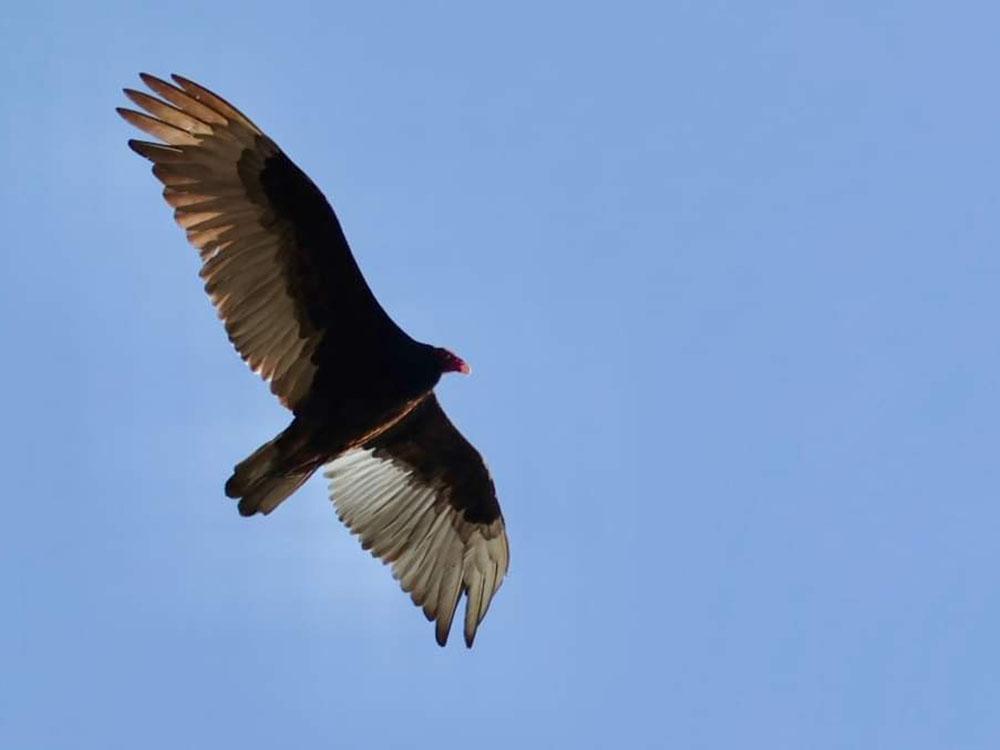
<point x="294" y="303"/>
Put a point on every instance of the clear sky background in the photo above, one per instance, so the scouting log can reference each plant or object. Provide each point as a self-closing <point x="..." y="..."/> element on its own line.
<point x="728" y="277"/>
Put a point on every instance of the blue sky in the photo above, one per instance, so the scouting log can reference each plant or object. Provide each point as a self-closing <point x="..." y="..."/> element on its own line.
<point x="727" y="276"/>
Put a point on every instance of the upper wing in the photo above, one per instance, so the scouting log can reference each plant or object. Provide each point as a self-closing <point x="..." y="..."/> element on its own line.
<point x="421" y="498"/>
<point x="275" y="261"/>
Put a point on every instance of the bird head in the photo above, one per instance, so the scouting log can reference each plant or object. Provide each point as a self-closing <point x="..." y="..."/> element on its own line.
<point x="450" y="362"/>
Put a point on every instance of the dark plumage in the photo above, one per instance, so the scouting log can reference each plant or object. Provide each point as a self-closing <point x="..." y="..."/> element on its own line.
<point x="293" y="301"/>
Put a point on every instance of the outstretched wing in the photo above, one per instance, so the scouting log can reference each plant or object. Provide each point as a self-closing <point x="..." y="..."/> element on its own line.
<point x="275" y="261"/>
<point x="421" y="498"/>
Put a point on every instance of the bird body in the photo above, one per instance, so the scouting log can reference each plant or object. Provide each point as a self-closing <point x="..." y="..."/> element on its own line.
<point x="295" y="305"/>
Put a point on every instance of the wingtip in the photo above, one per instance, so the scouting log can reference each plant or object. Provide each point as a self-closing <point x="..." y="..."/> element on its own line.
<point x="150" y="80"/>
<point x="129" y="115"/>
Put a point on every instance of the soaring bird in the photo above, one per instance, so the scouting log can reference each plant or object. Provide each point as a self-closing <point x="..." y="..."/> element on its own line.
<point x="294" y="304"/>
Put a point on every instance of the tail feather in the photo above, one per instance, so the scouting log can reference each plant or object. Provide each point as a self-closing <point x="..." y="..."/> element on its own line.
<point x="265" y="478"/>
<point x="251" y="470"/>
<point x="269" y="493"/>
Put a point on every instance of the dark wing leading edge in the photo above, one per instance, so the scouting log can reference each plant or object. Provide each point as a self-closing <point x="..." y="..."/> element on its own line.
<point x="420" y="498"/>
<point x="275" y="261"/>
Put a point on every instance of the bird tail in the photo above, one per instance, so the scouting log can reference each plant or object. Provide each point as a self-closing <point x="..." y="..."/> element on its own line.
<point x="269" y="475"/>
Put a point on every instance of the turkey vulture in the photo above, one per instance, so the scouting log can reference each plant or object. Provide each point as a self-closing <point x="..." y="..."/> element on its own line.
<point x="293" y="301"/>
